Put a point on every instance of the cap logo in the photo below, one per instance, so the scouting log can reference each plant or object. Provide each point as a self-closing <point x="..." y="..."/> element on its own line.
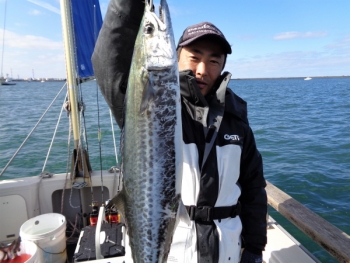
<point x="197" y="31"/>
<point x="203" y="29"/>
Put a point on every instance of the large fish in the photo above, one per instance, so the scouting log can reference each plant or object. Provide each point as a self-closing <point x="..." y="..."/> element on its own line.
<point x="152" y="140"/>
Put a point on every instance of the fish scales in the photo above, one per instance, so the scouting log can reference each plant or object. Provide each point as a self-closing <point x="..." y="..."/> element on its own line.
<point x="152" y="140"/>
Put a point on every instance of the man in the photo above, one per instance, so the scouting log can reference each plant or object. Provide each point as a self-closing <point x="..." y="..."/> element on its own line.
<point x="223" y="183"/>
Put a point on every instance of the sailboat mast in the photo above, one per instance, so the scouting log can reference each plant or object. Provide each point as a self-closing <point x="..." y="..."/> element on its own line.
<point x="3" y="43"/>
<point x="67" y="26"/>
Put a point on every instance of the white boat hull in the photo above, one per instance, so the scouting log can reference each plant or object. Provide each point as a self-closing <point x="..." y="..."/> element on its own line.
<point x="24" y="198"/>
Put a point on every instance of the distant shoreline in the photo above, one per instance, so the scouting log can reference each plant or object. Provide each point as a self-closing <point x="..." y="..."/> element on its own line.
<point x="46" y="80"/>
<point x="318" y="77"/>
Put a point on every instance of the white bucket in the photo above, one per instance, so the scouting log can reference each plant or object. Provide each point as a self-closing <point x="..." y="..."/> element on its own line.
<point x="48" y="232"/>
<point x="28" y="247"/>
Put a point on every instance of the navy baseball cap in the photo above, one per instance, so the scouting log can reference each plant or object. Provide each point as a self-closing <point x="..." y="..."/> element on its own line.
<point x="204" y="29"/>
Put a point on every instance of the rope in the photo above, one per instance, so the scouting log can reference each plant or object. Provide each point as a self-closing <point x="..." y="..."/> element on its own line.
<point x="46" y="175"/>
<point x="82" y="107"/>
<point x="67" y="167"/>
<point x="74" y="227"/>
<point x="71" y="190"/>
<point x="36" y="125"/>
<point x="82" y="134"/>
<point x="77" y="185"/>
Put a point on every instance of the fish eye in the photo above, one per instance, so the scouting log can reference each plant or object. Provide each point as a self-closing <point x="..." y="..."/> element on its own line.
<point x="149" y="28"/>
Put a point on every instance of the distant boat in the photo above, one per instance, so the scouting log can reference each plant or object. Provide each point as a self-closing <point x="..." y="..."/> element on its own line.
<point x="7" y="81"/>
<point x="308" y="78"/>
<point x="4" y="81"/>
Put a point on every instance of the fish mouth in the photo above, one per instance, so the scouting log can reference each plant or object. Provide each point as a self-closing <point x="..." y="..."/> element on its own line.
<point x="164" y="13"/>
<point x="161" y="52"/>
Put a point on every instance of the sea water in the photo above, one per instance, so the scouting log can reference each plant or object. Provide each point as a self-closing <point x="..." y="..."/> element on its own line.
<point x="302" y="129"/>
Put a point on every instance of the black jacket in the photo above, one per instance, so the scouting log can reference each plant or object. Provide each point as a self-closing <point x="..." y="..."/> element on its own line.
<point x="223" y="108"/>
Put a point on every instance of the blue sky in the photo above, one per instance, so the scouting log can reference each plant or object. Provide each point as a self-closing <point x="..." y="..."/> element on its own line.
<point x="270" y="38"/>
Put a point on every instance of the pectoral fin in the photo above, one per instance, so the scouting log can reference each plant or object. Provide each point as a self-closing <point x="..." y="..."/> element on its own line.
<point x="148" y="95"/>
<point x="119" y="202"/>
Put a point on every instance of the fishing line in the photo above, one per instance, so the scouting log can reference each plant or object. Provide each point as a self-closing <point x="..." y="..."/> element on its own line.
<point x="99" y="137"/>
<point x="99" y="134"/>
<point x="115" y="146"/>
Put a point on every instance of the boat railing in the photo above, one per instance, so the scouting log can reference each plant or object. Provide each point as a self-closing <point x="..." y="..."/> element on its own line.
<point x="329" y="237"/>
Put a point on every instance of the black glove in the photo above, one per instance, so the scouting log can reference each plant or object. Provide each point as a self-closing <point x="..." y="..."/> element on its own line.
<point x="113" y="51"/>
<point x="248" y="257"/>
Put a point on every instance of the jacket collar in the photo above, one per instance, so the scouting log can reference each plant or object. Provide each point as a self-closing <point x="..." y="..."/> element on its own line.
<point x="190" y="90"/>
<point x="233" y="103"/>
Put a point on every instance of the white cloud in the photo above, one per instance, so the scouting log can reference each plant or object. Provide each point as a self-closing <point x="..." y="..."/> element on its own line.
<point x="343" y="43"/>
<point x="290" y="64"/>
<point x="35" y="12"/>
<point x="44" y="64"/>
<point x="333" y="60"/>
<point x="46" y="6"/>
<point x="30" y="42"/>
<point x="24" y="53"/>
<point x="296" y="34"/>
<point x="18" y="24"/>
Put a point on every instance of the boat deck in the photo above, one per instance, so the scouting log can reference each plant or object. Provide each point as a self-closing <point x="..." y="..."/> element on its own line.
<point x="27" y="197"/>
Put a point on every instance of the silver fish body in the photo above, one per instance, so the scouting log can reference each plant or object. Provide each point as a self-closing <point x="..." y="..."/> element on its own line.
<point x="152" y="141"/>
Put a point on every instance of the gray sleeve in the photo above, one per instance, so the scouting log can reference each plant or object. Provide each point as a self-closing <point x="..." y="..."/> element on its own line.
<point x="113" y="51"/>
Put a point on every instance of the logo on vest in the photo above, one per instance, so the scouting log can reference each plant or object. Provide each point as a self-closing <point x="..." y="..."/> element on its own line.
<point x="231" y="137"/>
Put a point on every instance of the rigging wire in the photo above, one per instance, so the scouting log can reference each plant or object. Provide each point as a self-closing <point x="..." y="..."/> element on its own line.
<point x="36" y="125"/>
<point x="54" y="134"/>
<point x="3" y="41"/>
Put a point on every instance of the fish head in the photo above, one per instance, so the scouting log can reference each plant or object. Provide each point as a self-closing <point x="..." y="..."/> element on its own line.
<point x="158" y="38"/>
